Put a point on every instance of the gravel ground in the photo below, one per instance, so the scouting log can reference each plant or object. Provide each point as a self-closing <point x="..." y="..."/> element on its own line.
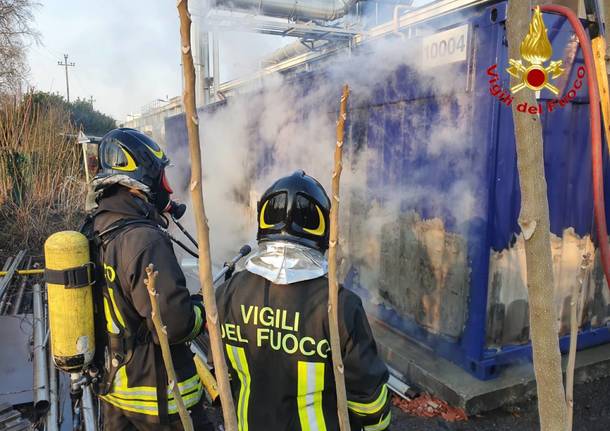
<point x="592" y="413"/>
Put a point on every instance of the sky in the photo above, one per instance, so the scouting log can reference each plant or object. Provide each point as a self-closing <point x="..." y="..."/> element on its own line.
<point x="127" y="53"/>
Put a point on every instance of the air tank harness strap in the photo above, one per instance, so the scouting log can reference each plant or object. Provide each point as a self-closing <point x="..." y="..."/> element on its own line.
<point x="103" y="238"/>
<point x="120" y="349"/>
<point x="70" y="278"/>
<point x="120" y="353"/>
<point x="120" y="346"/>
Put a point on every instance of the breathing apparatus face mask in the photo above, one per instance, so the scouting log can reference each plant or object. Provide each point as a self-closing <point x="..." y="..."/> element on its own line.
<point x="162" y="199"/>
<point x="176" y="210"/>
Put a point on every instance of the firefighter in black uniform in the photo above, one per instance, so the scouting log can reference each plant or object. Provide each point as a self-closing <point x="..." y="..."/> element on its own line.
<point x="132" y="193"/>
<point x="275" y="329"/>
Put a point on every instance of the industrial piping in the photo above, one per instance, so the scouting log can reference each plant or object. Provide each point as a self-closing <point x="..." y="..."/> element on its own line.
<point x="21" y="291"/>
<point x="88" y="410"/>
<point x="599" y="208"/>
<point x="291" y="50"/>
<point x="41" y="376"/>
<point x="52" y="422"/>
<point x="325" y="10"/>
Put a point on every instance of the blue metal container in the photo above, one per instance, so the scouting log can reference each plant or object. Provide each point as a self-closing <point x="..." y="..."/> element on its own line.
<point x="446" y="267"/>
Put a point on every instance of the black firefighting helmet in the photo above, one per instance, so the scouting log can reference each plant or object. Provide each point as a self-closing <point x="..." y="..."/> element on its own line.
<point x="295" y="208"/>
<point x="129" y="152"/>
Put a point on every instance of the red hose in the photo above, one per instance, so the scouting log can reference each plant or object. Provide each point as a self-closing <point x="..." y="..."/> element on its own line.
<point x="596" y="135"/>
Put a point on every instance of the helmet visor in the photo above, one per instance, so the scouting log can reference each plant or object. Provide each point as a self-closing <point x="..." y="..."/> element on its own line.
<point x="308" y="215"/>
<point x="273" y="211"/>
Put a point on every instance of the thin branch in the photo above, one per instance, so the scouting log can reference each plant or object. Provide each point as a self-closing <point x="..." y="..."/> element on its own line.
<point x="161" y="331"/>
<point x="203" y="233"/>
<point x="333" y="284"/>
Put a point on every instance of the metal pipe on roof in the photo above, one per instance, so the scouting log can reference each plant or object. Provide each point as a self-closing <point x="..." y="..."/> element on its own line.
<point x="52" y="422"/>
<point x="325" y="10"/>
<point x="88" y="409"/>
<point x="20" y="291"/>
<point x="289" y="51"/>
<point x="216" y="65"/>
<point x="5" y="282"/>
<point x="41" y="375"/>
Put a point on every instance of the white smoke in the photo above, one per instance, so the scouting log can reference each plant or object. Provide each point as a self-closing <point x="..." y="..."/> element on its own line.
<point x="293" y="129"/>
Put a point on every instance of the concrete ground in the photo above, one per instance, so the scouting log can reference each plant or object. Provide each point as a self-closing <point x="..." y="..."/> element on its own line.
<point x="592" y="413"/>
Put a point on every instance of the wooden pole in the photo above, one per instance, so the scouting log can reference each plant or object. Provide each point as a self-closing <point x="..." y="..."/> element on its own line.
<point x="333" y="284"/>
<point x="161" y="331"/>
<point x="205" y="264"/>
<point x="599" y="56"/>
<point x="535" y="227"/>
<point x="605" y="12"/>
<point x="575" y="317"/>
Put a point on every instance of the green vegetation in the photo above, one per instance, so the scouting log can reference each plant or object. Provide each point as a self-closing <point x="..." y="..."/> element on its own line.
<point x="42" y="186"/>
<point x="82" y="114"/>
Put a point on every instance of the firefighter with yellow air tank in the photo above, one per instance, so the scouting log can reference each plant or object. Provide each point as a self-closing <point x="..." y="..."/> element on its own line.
<point x="128" y="231"/>
<point x="274" y="319"/>
<point x="274" y="324"/>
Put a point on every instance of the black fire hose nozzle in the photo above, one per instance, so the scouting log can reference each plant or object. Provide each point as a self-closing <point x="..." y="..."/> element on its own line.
<point x="228" y="267"/>
<point x="244" y="251"/>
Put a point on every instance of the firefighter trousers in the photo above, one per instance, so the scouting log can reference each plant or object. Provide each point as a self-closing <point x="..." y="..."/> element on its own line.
<point x="116" y="420"/>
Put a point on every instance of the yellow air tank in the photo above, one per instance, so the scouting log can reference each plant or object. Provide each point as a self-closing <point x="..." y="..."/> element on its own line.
<point x="68" y="274"/>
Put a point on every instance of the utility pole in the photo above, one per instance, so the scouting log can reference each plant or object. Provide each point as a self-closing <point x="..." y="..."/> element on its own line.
<point x="91" y="100"/>
<point x="66" y="64"/>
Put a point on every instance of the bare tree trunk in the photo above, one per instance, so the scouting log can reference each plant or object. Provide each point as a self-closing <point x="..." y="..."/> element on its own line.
<point x="205" y="264"/>
<point x="333" y="284"/>
<point x="161" y="331"/>
<point x="535" y="226"/>
<point x="575" y="318"/>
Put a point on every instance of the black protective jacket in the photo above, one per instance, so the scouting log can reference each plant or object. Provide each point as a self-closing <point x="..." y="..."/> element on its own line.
<point x="277" y="344"/>
<point x="137" y="380"/>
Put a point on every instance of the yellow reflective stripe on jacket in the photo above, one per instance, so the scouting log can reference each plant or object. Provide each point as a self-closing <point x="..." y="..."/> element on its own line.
<point x="237" y="357"/>
<point x="110" y="325"/>
<point x="151" y="407"/>
<point x="189" y="400"/>
<point x="133" y="406"/>
<point x="185" y="386"/>
<point x="196" y="327"/>
<point x="143" y="399"/>
<point x="116" y="309"/>
<point x="372" y="407"/>
<point x="309" y="395"/>
<point x="382" y="425"/>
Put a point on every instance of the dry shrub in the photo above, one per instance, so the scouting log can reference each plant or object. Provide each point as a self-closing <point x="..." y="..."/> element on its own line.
<point x="42" y="188"/>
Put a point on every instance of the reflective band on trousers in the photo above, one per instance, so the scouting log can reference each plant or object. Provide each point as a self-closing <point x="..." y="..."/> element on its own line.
<point x="309" y="395"/>
<point x="372" y="407"/>
<point x="382" y="425"/>
<point x="237" y="357"/>
<point x="143" y="399"/>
